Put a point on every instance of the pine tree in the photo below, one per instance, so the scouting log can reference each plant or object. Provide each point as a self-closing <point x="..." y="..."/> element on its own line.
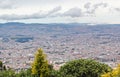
<point x="40" y="64"/>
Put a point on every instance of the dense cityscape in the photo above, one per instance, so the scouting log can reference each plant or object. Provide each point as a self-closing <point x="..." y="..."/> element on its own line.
<point x="60" y="42"/>
<point x="59" y="38"/>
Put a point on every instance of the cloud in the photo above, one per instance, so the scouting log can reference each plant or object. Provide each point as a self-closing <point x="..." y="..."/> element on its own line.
<point x="117" y="9"/>
<point x="32" y="16"/>
<point x="92" y="9"/>
<point x="6" y="4"/>
<point x="87" y="5"/>
<point x="21" y="17"/>
<point x="100" y="5"/>
<point x="73" y="12"/>
<point x="54" y="10"/>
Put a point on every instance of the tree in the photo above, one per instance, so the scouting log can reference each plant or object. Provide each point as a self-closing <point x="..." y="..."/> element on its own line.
<point x="40" y="64"/>
<point x="1" y="65"/>
<point x="83" y="68"/>
<point x="114" y="73"/>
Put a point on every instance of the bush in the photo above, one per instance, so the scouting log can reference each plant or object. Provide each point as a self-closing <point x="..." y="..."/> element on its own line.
<point x="114" y="73"/>
<point x="7" y="73"/>
<point x="25" y="73"/>
<point x="83" y="68"/>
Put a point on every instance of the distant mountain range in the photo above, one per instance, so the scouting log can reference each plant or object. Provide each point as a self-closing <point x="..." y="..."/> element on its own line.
<point x="22" y="24"/>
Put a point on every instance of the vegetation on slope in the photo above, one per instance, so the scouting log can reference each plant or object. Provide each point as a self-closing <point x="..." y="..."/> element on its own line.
<point x="75" y="68"/>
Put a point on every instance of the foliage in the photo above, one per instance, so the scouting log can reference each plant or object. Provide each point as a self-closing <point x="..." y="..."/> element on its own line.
<point x="83" y="68"/>
<point x="24" y="73"/>
<point x="114" y="73"/>
<point x="1" y="64"/>
<point x="4" y="72"/>
<point x="7" y="73"/>
<point x="40" y="64"/>
<point x="75" y="68"/>
<point x="2" y="67"/>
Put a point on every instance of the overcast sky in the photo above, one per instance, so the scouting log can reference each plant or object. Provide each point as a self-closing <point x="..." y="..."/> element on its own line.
<point x="60" y="11"/>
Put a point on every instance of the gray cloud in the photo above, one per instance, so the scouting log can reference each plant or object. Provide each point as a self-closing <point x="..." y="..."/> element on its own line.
<point x="73" y="12"/>
<point x="21" y="17"/>
<point x="87" y="5"/>
<point x="94" y="7"/>
<point x="54" y="10"/>
<point x="6" y="4"/>
<point x="117" y="9"/>
<point x="32" y="16"/>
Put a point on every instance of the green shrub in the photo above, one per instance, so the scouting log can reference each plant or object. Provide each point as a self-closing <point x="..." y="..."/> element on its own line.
<point x="83" y="68"/>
